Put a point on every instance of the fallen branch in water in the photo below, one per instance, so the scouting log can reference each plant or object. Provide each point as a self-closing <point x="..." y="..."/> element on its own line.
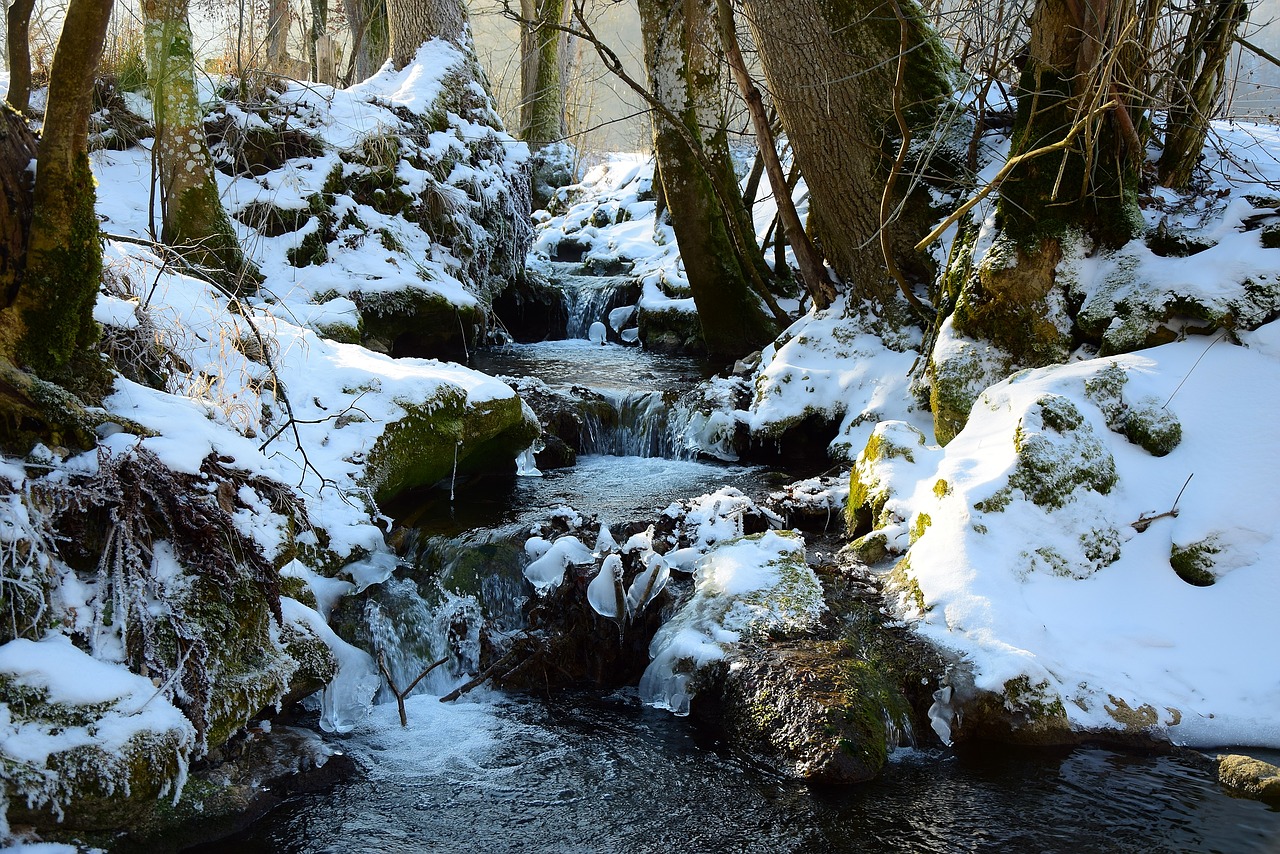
<point x="400" y="695"/>
<point x="479" y="680"/>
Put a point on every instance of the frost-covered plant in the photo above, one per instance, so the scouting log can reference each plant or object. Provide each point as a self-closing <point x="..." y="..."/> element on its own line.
<point x="169" y="568"/>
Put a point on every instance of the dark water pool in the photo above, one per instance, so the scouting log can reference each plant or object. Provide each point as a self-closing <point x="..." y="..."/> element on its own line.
<point x="592" y="775"/>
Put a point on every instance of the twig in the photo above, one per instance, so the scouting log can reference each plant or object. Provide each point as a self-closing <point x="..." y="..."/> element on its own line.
<point x="479" y="680"/>
<point x="401" y="695"/>
<point x="1144" y="521"/>
<point x="1193" y="367"/>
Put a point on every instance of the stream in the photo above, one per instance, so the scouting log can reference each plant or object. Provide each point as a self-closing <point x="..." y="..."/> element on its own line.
<point x="600" y="772"/>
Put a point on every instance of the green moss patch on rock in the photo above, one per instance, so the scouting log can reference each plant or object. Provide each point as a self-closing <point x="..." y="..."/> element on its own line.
<point x="871" y="476"/>
<point x="419" y="323"/>
<point x="447" y="433"/>
<point x="1146" y="423"/>
<point x="1021" y="713"/>
<point x="1058" y="453"/>
<point x="671" y="331"/>
<point x="1194" y="562"/>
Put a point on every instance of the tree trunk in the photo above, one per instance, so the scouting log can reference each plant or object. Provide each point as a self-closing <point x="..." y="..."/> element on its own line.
<point x="812" y="272"/>
<point x="370" y="40"/>
<point x="194" y="221"/>
<point x="51" y="318"/>
<point x="412" y="23"/>
<point x="17" y="41"/>
<point x="1197" y="80"/>
<point x="542" y="98"/>
<point x="830" y="65"/>
<point x="681" y="54"/>
<point x="1070" y="76"/>
<point x="279" y="19"/>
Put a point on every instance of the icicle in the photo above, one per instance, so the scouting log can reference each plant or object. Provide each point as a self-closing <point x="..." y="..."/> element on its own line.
<point x="453" y="483"/>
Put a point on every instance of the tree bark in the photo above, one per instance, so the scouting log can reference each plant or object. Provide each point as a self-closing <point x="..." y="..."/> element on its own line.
<point x="830" y="66"/>
<point x="412" y="23"/>
<point x="50" y="322"/>
<point x="279" y="19"/>
<point x="681" y="55"/>
<point x="17" y="42"/>
<point x="370" y="40"/>
<point x="812" y="272"/>
<point x="194" y="221"/>
<point x="1197" y="80"/>
<point x="542" y="98"/>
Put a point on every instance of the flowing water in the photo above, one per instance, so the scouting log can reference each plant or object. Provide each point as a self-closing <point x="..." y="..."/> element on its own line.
<point x="588" y="773"/>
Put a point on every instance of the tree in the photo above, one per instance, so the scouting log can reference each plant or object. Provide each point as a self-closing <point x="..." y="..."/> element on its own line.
<point x="412" y="23"/>
<point x="18" y="45"/>
<point x="1196" y="78"/>
<point x="720" y="254"/>
<point x="1071" y="179"/>
<point x="370" y="38"/>
<point x="812" y="272"/>
<point x="542" y="90"/>
<point x="193" y="219"/>
<point x="831" y="69"/>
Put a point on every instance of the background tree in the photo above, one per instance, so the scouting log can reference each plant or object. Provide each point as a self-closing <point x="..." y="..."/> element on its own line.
<point x="542" y="117"/>
<point x="51" y="257"/>
<point x="831" y="70"/>
<point x="717" y="245"/>
<point x="1196" y="79"/>
<point x="193" y="219"/>
<point x="18" y="47"/>
<point x="370" y="37"/>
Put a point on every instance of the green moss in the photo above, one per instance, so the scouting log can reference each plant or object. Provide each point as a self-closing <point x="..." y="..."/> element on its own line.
<point x="919" y="525"/>
<point x="868" y="489"/>
<point x="1194" y="563"/>
<point x="435" y="435"/>
<point x="901" y="580"/>
<point x="1155" y="429"/>
<point x="941" y="489"/>
<point x="870" y="548"/>
<point x="1057" y="453"/>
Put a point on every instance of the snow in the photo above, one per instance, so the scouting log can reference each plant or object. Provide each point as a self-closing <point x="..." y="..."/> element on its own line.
<point x="753" y="585"/>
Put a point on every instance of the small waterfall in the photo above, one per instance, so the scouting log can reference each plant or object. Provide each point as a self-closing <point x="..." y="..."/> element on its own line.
<point x="645" y="425"/>
<point x="410" y="633"/>
<point x="589" y="299"/>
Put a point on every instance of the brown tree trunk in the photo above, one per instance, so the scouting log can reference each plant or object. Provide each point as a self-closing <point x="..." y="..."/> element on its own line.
<point x="370" y="39"/>
<point x="542" y="95"/>
<point x="279" y="20"/>
<point x="412" y="23"/>
<point x="830" y="65"/>
<point x="17" y="41"/>
<point x="681" y="54"/>
<point x="812" y="272"/>
<point x="51" y="318"/>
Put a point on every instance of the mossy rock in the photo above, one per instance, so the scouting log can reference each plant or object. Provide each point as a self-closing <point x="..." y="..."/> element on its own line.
<point x="1194" y="563"/>
<point x="1250" y="777"/>
<point x="868" y="487"/>
<point x="109" y="772"/>
<point x="958" y="374"/>
<point x="1022" y="713"/>
<point x="316" y="663"/>
<point x="672" y="332"/>
<point x="418" y="323"/>
<point x="870" y="548"/>
<point x="444" y="434"/>
<point x="812" y="709"/>
<point x="1147" y="424"/>
<point x="1058" y="453"/>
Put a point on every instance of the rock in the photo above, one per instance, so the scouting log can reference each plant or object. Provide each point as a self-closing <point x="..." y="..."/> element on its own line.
<point x="892" y="444"/>
<point x="1250" y="777"/>
<point x="671" y="331"/>
<point x="444" y="434"/>
<point x="812" y="709"/>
